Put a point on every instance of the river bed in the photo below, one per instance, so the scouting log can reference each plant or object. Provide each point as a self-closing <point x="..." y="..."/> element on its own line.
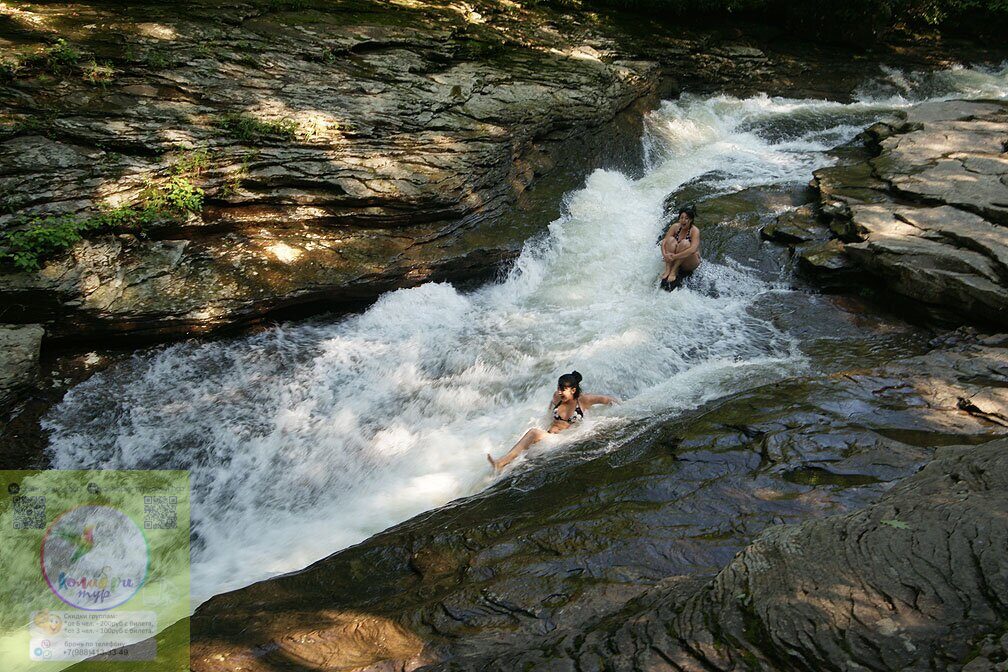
<point x="308" y="437"/>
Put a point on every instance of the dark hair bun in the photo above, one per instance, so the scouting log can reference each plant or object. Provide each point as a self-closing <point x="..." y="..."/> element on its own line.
<point x="577" y="376"/>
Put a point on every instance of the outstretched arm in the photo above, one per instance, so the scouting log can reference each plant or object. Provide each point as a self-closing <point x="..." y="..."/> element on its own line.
<point x="587" y="400"/>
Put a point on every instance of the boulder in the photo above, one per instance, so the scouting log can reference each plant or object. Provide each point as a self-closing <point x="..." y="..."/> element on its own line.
<point x="800" y="225"/>
<point x="19" y="358"/>
<point x="922" y="215"/>
<point x="915" y="581"/>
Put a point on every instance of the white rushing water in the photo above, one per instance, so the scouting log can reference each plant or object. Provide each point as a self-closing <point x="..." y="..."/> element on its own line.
<point x="306" y="438"/>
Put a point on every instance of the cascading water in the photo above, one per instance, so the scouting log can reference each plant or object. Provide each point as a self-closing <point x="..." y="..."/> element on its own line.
<point x="306" y="438"/>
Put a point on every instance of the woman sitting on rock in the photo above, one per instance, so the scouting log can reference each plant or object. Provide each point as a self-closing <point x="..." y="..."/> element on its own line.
<point x="680" y="249"/>
<point x="568" y="407"/>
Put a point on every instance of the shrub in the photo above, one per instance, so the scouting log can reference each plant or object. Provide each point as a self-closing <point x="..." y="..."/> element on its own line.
<point x="56" y="59"/>
<point x="98" y="73"/>
<point x="178" y="196"/>
<point x="192" y="162"/>
<point x="250" y="130"/>
<point x="157" y="59"/>
<point x="26" y="247"/>
<point x="28" y="244"/>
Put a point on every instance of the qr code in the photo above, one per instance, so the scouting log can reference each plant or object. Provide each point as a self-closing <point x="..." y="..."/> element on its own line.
<point x="29" y="512"/>
<point x="160" y="513"/>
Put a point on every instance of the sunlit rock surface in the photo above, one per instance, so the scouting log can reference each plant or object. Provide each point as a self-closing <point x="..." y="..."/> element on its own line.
<point x="924" y="216"/>
<point x="341" y="153"/>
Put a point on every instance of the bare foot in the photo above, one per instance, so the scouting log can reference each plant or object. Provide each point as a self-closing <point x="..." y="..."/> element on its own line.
<point x="493" y="463"/>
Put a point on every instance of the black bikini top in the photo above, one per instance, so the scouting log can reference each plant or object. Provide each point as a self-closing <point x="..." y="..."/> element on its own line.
<point x="689" y="235"/>
<point x="575" y="417"/>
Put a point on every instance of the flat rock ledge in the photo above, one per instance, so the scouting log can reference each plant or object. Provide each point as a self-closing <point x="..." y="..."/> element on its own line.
<point x="916" y="581"/>
<point x="922" y="215"/>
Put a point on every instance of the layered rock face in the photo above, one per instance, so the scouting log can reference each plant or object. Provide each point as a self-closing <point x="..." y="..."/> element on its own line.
<point x="784" y="528"/>
<point x="279" y="154"/>
<point x="925" y="216"/>
<point x="226" y="161"/>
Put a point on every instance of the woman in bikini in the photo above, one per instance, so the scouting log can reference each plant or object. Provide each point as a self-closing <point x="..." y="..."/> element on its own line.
<point x="680" y="249"/>
<point x="568" y="406"/>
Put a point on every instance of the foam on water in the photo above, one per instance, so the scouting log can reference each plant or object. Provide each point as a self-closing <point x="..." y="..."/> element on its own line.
<point x="306" y="438"/>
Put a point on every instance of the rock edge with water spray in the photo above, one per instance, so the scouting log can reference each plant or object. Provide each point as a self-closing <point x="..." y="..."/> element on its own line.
<point x="788" y="527"/>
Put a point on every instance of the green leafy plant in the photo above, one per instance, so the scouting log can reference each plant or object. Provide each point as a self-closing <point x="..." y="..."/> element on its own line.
<point x="192" y="162"/>
<point x="58" y="58"/>
<point x="98" y="73"/>
<point x="27" y="244"/>
<point x="248" y="129"/>
<point x="178" y="196"/>
<point x="157" y="59"/>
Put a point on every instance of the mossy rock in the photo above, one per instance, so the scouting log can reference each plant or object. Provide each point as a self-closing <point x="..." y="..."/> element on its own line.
<point x="795" y="226"/>
<point x="850" y="182"/>
<point x="826" y="262"/>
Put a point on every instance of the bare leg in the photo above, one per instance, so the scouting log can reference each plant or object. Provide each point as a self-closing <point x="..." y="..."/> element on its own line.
<point x="674" y="266"/>
<point x="674" y="270"/>
<point x="668" y="269"/>
<point x="533" y="435"/>
<point x="690" y="263"/>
